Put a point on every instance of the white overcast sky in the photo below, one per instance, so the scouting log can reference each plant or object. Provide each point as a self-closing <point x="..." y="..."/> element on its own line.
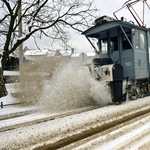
<point x="106" y="7"/>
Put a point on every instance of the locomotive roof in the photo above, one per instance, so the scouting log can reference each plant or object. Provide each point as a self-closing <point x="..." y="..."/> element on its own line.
<point x="97" y="29"/>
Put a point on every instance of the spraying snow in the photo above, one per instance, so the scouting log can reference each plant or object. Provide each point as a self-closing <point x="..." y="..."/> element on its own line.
<point x="67" y="86"/>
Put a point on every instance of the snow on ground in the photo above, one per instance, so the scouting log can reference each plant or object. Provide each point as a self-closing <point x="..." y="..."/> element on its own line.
<point x="12" y="110"/>
<point x="48" y="132"/>
<point x="128" y="137"/>
<point x="10" y="88"/>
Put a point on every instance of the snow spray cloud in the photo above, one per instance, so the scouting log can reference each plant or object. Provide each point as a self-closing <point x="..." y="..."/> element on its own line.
<point x="34" y="75"/>
<point x="67" y="89"/>
<point x="72" y="87"/>
<point x="57" y="83"/>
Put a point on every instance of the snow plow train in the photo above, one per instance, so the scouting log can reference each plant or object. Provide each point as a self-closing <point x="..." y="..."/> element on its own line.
<point x="123" y="56"/>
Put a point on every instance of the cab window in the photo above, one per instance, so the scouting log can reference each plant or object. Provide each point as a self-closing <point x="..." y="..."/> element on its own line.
<point x="104" y="46"/>
<point x="142" y="41"/>
<point x="114" y="43"/>
<point x="125" y="43"/>
<point x="137" y="40"/>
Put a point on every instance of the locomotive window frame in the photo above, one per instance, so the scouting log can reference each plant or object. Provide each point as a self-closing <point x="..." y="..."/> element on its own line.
<point x="137" y="40"/>
<point x="125" y="43"/>
<point x="104" y="45"/>
<point x="142" y="40"/>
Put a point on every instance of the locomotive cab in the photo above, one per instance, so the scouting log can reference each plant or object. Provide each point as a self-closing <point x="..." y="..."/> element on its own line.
<point x="125" y="44"/>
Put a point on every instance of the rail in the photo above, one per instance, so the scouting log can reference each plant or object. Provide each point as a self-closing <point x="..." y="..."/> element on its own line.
<point x="77" y="141"/>
<point x="46" y="118"/>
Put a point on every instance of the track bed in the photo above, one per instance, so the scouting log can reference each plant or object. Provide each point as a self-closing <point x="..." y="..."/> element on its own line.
<point x="81" y="130"/>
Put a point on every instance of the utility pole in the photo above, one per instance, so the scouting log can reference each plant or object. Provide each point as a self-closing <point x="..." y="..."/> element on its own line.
<point x="20" y="46"/>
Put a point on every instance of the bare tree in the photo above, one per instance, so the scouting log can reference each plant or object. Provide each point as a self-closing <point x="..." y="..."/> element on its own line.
<point x="41" y="17"/>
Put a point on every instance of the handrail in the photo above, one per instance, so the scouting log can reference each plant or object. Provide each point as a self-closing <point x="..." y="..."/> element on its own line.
<point x="2" y="105"/>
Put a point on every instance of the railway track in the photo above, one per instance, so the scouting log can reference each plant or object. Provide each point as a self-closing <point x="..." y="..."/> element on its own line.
<point x="115" y="135"/>
<point x="33" y="117"/>
<point x="95" y="128"/>
<point x="95" y="138"/>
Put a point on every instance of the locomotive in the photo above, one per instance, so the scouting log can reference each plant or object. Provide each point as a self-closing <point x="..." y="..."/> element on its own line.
<point x="123" y="51"/>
